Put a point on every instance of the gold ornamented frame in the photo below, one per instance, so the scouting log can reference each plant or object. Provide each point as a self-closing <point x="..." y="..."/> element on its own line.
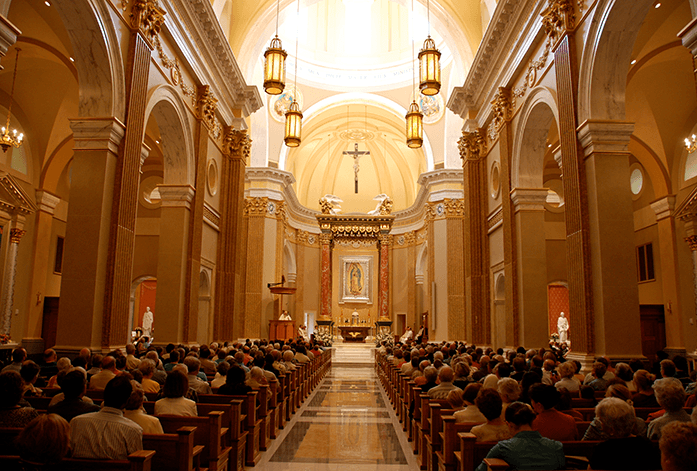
<point x="356" y="279"/>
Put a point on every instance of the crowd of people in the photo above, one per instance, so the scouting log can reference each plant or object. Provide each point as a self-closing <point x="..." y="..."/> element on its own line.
<point x="76" y="425"/>
<point x="522" y="399"/>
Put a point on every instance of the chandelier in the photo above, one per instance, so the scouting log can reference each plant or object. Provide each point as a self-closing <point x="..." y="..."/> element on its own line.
<point x="414" y="117"/>
<point x="11" y="139"/>
<point x="429" y="62"/>
<point x="294" y="117"/>
<point x="691" y="143"/>
<point x="275" y="63"/>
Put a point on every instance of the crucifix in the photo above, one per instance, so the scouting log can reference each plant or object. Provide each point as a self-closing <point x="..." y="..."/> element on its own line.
<point x="356" y="154"/>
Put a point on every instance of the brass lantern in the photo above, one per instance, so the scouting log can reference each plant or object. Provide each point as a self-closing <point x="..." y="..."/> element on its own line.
<point x="429" y="68"/>
<point x="294" y="123"/>
<point x="275" y="68"/>
<point x="415" y="127"/>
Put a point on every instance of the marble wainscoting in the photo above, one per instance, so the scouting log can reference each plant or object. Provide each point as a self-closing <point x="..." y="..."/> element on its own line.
<point x="346" y="422"/>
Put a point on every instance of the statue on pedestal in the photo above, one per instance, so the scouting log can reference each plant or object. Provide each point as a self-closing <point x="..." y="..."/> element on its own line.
<point x="562" y="328"/>
<point x="147" y="322"/>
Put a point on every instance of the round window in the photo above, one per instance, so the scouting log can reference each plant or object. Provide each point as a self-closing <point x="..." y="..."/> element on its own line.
<point x="636" y="180"/>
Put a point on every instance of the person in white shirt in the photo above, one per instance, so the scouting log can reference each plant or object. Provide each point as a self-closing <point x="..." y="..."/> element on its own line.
<point x="174" y="402"/>
<point x="135" y="412"/>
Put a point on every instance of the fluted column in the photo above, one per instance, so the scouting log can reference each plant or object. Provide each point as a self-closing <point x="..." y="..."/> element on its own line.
<point x="325" y="241"/>
<point x="40" y="267"/>
<point x="8" y="287"/>
<point x="146" y="21"/>
<point x="231" y="262"/>
<point x="528" y="205"/>
<point x="670" y="281"/>
<point x="692" y="242"/>
<point x="384" y="242"/>
<point x="255" y="211"/>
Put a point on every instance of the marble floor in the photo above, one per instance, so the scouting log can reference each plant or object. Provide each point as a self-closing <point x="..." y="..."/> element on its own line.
<point x="347" y="421"/>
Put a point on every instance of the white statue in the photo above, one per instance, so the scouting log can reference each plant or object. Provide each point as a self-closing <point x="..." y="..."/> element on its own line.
<point x="562" y="328"/>
<point x="383" y="207"/>
<point x="147" y="322"/>
<point x="354" y="317"/>
<point x="329" y="204"/>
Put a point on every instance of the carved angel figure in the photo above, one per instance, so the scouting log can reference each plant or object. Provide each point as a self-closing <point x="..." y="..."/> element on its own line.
<point x="383" y="207"/>
<point x="329" y="204"/>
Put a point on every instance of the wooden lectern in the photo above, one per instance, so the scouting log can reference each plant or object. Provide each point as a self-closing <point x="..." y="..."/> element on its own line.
<point x="281" y="330"/>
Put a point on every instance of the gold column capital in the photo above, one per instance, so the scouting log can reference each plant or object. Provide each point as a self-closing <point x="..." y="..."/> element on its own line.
<point x="325" y="238"/>
<point x="472" y="145"/>
<point x="206" y="105"/>
<point x="692" y="242"/>
<point x="558" y="18"/>
<point x="237" y="144"/>
<point x="502" y="108"/>
<point x="148" y="17"/>
<point x="16" y="235"/>
<point x="256" y="206"/>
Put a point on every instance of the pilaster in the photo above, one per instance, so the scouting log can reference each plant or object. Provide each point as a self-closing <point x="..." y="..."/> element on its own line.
<point x="255" y="210"/>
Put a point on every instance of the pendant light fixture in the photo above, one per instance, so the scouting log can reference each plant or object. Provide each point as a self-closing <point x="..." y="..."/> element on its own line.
<point x="294" y="117"/>
<point x="429" y="62"/>
<point x="11" y="139"/>
<point x="415" y="127"/>
<point x="275" y="63"/>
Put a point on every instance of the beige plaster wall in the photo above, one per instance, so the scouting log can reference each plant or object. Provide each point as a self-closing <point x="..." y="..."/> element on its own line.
<point x="145" y="256"/>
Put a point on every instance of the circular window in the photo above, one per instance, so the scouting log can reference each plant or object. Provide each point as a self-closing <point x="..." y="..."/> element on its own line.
<point x="636" y="180"/>
<point x="212" y="177"/>
<point x="555" y="195"/>
<point x="495" y="180"/>
<point x="150" y="193"/>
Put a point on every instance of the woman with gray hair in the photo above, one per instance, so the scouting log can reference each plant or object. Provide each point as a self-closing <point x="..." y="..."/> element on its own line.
<point x="509" y="389"/>
<point x="622" y="449"/>
<point x="567" y="370"/>
<point x="671" y="397"/>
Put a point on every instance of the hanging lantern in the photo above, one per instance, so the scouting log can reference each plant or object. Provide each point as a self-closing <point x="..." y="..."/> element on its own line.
<point x="415" y="127"/>
<point x="294" y="123"/>
<point x="429" y="68"/>
<point x="275" y="68"/>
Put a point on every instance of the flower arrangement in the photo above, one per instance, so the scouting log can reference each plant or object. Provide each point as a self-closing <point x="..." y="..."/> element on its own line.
<point x="5" y="339"/>
<point x="324" y="334"/>
<point x="387" y="336"/>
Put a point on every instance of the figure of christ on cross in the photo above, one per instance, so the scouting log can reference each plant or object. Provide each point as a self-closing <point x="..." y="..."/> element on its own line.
<point x="356" y="154"/>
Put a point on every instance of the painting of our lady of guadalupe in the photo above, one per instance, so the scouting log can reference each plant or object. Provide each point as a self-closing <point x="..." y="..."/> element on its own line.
<point x="355" y="279"/>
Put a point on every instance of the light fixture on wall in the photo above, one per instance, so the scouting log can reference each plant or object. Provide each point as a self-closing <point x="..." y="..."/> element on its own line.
<point x="415" y="128"/>
<point x="691" y="143"/>
<point x="11" y="139"/>
<point x="275" y="63"/>
<point x="429" y="62"/>
<point x="294" y="117"/>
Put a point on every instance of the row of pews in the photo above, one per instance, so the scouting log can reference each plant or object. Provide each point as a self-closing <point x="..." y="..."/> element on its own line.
<point x="229" y="433"/>
<point x="441" y="444"/>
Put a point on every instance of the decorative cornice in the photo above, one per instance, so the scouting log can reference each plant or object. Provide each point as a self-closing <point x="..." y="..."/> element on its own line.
<point x="354" y="227"/>
<point x="495" y="219"/>
<point x="46" y="201"/>
<point x="211" y="215"/>
<point x="13" y="198"/>
<point x="664" y="207"/>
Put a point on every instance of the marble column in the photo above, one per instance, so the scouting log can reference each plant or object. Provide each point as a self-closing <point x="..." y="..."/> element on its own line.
<point x="692" y="242"/>
<point x="383" y="276"/>
<point x="670" y="280"/>
<point x="115" y="327"/>
<point x="175" y="215"/>
<point x="255" y="210"/>
<point x="615" y="295"/>
<point x="87" y="232"/>
<point x="40" y="267"/>
<point x="528" y="205"/>
<point x="230" y="265"/>
<point x="325" y="241"/>
<point x="476" y="241"/>
<point x="8" y="287"/>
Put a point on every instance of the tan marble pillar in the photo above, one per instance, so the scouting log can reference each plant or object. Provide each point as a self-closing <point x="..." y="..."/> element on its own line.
<point x="40" y="267"/>
<point x="147" y="19"/>
<point x="175" y="215"/>
<point x="670" y="280"/>
<point x="384" y="242"/>
<point x="455" y="230"/>
<point x="476" y="241"/>
<point x="325" y="241"/>
<point x="231" y="261"/>
<point x="255" y="211"/>
<point x="615" y="295"/>
<point x="87" y="232"/>
<point x="299" y="298"/>
<point x="528" y="205"/>
<point x="8" y="286"/>
<point x="692" y="242"/>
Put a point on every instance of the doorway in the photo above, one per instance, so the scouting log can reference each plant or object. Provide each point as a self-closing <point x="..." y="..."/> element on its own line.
<point x="653" y="330"/>
<point x="49" y="325"/>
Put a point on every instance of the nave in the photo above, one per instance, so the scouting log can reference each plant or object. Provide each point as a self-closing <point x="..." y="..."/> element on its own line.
<point x="347" y="421"/>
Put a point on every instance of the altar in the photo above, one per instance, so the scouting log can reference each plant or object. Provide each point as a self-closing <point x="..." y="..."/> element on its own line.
<point x="354" y="333"/>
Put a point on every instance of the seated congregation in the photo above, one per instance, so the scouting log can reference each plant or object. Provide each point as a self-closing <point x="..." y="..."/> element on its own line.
<point x="211" y="407"/>
<point x="471" y="409"/>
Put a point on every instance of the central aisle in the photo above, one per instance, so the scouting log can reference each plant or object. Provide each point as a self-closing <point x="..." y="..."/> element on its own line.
<point x="347" y="421"/>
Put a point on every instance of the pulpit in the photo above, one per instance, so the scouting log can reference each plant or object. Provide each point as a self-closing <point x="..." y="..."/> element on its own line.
<point x="281" y="330"/>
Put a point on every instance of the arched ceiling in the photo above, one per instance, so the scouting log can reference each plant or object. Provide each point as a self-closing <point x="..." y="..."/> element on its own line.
<point x="321" y="168"/>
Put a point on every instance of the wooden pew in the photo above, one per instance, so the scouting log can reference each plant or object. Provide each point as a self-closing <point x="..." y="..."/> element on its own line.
<point x="209" y="433"/>
<point x="174" y="452"/>
<point x="138" y="461"/>
<point x="447" y="460"/>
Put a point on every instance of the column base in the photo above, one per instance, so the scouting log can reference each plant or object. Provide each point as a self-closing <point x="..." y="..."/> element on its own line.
<point x="672" y="351"/>
<point x="33" y="345"/>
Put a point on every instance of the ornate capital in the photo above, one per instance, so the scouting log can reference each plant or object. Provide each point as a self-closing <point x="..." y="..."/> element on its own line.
<point x="256" y="206"/>
<point x="237" y="143"/>
<point x="454" y="207"/>
<point x="692" y="242"/>
<point x="301" y="236"/>
<point x="206" y="104"/>
<point x="16" y="235"/>
<point x="472" y="145"/>
<point x="325" y="238"/>
<point x="147" y="16"/>
<point x="385" y="239"/>
<point x="557" y="18"/>
<point x="502" y="108"/>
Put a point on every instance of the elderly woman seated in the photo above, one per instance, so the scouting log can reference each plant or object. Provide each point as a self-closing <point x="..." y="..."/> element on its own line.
<point x="470" y="414"/>
<point x="44" y="441"/>
<point x="567" y="370"/>
<point x="135" y="412"/>
<point x="671" y="397"/>
<point x="527" y="449"/>
<point x="174" y="402"/>
<point x="622" y="449"/>
<point x="679" y="447"/>
<point x="509" y="389"/>
<point x="495" y="429"/>
<point x="596" y="430"/>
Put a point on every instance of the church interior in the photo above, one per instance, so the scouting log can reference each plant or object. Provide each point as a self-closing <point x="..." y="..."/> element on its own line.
<point x="551" y="173"/>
